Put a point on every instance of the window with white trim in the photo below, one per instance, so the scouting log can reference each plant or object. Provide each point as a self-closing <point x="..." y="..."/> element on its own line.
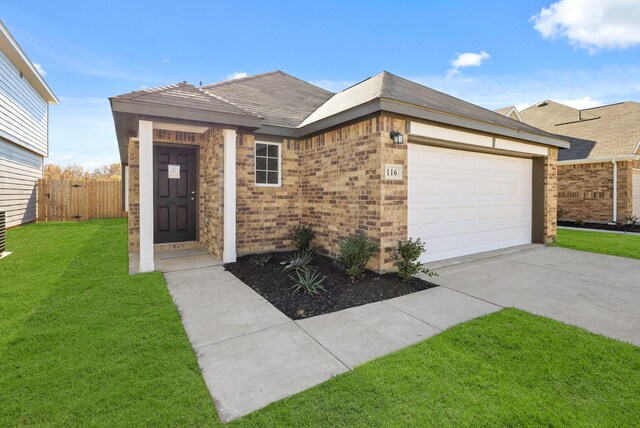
<point x="268" y="164"/>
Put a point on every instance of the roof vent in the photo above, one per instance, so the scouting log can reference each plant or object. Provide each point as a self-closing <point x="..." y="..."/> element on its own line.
<point x="542" y="104"/>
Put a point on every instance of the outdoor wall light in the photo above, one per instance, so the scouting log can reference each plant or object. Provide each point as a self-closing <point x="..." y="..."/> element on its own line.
<point x="396" y="136"/>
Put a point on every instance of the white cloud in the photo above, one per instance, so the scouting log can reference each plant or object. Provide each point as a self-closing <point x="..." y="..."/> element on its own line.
<point x="467" y="59"/>
<point x="40" y="69"/>
<point x="523" y="106"/>
<point x="591" y="24"/>
<point x="236" y="75"/>
<point x="581" y="103"/>
<point x="166" y="60"/>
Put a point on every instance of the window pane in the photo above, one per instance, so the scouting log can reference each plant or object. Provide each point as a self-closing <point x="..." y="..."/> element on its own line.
<point x="261" y="177"/>
<point x="273" y="150"/>
<point x="261" y="149"/>
<point x="261" y="163"/>
<point x="272" y="177"/>
<point x="273" y="164"/>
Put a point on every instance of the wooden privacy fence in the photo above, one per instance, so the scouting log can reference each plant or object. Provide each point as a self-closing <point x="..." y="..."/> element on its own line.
<point x="62" y="200"/>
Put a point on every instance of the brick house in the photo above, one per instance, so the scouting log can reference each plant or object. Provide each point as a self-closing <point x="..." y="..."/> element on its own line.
<point x="234" y="166"/>
<point x="599" y="176"/>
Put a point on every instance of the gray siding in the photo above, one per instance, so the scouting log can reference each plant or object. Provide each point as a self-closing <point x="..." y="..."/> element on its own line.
<point x="23" y="112"/>
<point x="19" y="171"/>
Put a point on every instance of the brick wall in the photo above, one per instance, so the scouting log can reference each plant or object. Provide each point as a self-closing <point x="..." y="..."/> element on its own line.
<point x="210" y="150"/>
<point x="551" y="196"/>
<point x="585" y="191"/>
<point x="265" y="216"/>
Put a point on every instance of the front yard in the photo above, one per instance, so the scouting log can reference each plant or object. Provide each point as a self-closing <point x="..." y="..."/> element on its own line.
<point x="613" y="244"/>
<point x="84" y="343"/>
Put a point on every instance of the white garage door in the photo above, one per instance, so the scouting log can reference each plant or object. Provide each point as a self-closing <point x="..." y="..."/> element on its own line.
<point x="636" y="192"/>
<point x="464" y="202"/>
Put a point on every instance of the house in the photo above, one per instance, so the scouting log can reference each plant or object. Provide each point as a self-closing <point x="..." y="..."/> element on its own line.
<point x="236" y="165"/>
<point x="24" y="130"/>
<point x="510" y="111"/>
<point x="599" y="177"/>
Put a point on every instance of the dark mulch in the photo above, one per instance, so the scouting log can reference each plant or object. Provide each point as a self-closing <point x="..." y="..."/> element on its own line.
<point x="600" y="226"/>
<point x="341" y="291"/>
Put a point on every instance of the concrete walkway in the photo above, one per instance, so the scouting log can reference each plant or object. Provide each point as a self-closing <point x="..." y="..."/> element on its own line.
<point x="251" y="354"/>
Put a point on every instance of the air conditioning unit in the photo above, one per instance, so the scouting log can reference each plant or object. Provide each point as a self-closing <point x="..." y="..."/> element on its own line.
<point x="3" y="227"/>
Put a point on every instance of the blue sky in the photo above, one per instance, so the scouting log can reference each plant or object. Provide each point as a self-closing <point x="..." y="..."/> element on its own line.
<point x="585" y="52"/>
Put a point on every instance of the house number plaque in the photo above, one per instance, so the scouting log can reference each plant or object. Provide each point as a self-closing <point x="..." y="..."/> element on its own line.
<point x="392" y="172"/>
<point x="174" y="171"/>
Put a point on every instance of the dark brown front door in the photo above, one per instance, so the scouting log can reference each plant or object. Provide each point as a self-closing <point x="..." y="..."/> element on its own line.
<point x="174" y="196"/>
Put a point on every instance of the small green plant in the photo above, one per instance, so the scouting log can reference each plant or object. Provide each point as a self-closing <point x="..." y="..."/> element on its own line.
<point x="307" y="281"/>
<point x="260" y="260"/>
<point x="302" y="237"/>
<point x="355" y="252"/>
<point x="579" y="222"/>
<point x="406" y="258"/>
<point x="299" y="262"/>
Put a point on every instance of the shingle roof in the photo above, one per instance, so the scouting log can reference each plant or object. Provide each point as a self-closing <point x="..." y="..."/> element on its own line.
<point x="389" y="86"/>
<point x="606" y="131"/>
<point x="278" y="97"/>
<point x="183" y="95"/>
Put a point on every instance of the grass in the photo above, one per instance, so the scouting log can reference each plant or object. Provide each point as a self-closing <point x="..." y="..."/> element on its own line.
<point x="613" y="244"/>
<point x="83" y="343"/>
<point x="506" y="369"/>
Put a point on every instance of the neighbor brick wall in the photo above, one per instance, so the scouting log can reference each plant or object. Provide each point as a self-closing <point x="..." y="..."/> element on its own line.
<point x="585" y="191"/>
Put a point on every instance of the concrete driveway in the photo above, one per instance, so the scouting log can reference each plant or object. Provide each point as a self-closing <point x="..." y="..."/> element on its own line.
<point x="597" y="292"/>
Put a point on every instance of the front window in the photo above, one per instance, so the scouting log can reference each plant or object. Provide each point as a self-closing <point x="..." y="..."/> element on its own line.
<point x="267" y="164"/>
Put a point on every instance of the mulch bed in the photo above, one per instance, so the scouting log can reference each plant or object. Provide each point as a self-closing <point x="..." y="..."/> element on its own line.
<point x="617" y="227"/>
<point x="341" y="291"/>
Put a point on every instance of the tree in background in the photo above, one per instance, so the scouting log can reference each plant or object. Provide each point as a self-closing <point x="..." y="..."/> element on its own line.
<point x="78" y="173"/>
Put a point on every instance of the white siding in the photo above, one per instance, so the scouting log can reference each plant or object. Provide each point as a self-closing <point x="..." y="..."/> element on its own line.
<point x="19" y="172"/>
<point x="23" y="112"/>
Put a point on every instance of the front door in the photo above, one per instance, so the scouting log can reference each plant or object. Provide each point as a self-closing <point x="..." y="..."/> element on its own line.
<point x="175" y="198"/>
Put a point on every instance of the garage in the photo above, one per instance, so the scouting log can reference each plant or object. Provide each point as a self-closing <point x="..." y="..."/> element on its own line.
<point x="462" y="202"/>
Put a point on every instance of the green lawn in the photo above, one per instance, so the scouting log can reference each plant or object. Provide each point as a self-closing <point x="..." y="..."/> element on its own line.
<point x="82" y="343"/>
<point x="613" y="244"/>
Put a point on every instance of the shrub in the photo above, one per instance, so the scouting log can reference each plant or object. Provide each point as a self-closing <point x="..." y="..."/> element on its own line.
<point x="406" y="258"/>
<point x="355" y="252"/>
<point x="634" y="220"/>
<point x="579" y="222"/>
<point x="260" y="260"/>
<point x="307" y="281"/>
<point x="302" y="237"/>
<point x="301" y="261"/>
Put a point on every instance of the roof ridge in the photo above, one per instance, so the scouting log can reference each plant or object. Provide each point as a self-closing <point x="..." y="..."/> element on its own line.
<point x="219" y="98"/>
<point x="609" y="105"/>
<point x="228" y="81"/>
<point x="154" y="89"/>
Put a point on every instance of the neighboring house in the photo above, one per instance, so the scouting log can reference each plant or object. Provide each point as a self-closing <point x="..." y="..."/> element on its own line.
<point x="24" y="130"/>
<point x="599" y="177"/>
<point x="511" y="112"/>
<point x="236" y="165"/>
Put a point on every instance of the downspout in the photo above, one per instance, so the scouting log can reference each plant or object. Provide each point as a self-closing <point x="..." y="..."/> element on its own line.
<point x="615" y="190"/>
